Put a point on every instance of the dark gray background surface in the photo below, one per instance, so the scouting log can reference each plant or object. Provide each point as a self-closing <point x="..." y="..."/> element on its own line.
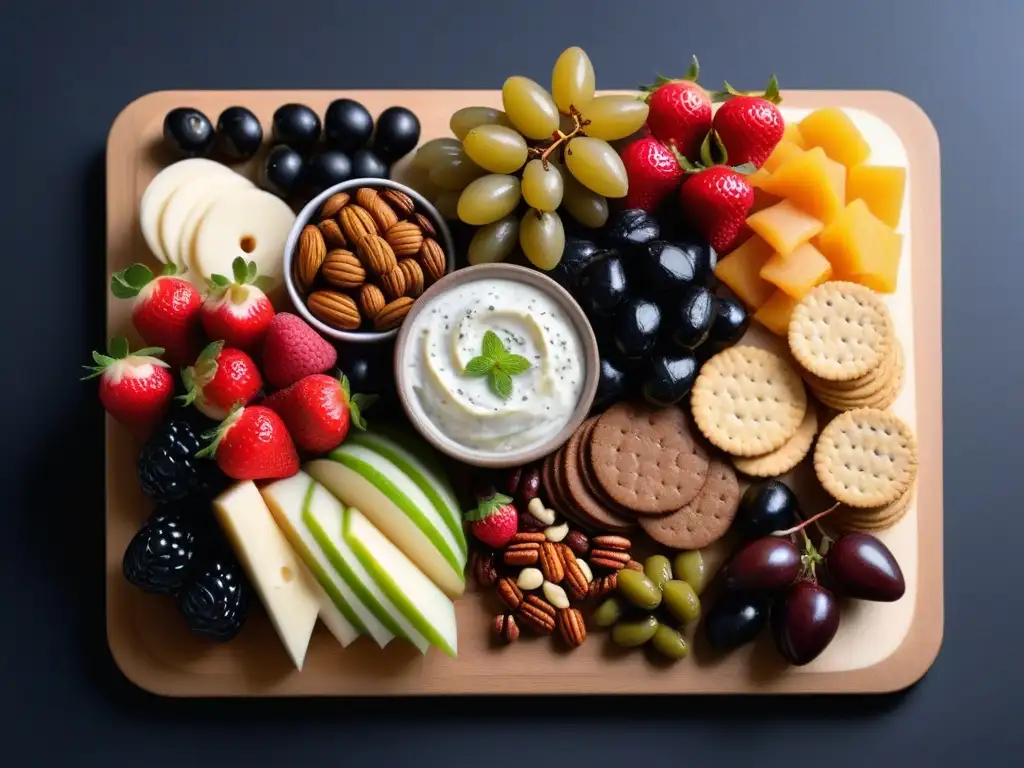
<point x="68" y="68"/>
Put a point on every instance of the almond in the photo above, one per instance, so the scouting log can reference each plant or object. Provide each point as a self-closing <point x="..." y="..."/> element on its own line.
<point x="333" y="205"/>
<point x="366" y="197"/>
<point x="432" y="259"/>
<point x="413" y="277"/>
<point x="334" y="309"/>
<point x="393" y="313"/>
<point x="356" y="223"/>
<point x="331" y="230"/>
<point x="424" y="223"/>
<point x="311" y="253"/>
<point x="342" y="269"/>
<point x="376" y="254"/>
<point x="400" y="202"/>
<point x="371" y="300"/>
<point x="383" y="214"/>
<point x="405" y="239"/>
<point x="393" y="283"/>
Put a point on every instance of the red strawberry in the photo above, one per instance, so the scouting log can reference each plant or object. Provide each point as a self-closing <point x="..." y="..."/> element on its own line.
<point x="716" y="201"/>
<point x="654" y="173"/>
<point x="318" y="411"/>
<point x="221" y="378"/>
<point x="166" y="310"/>
<point x="292" y="350"/>
<point x="494" y="521"/>
<point x="238" y="312"/>
<point x="750" y="127"/>
<point x="252" y="443"/>
<point x="680" y="112"/>
<point x="135" y="387"/>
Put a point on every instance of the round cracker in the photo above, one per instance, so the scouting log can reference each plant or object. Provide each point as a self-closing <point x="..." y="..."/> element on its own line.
<point x="646" y="459"/>
<point x="873" y="381"/>
<point x="590" y="482"/>
<point x="866" y="457"/>
<point x="578" y="494"/>
<point x="876" y="518"/>
<point x="783" y="459"/>
<point x="703" y="520"/>
<point x="840" y="331"/>
<point x="883" y="398"/>
<point x="748" y="401"/>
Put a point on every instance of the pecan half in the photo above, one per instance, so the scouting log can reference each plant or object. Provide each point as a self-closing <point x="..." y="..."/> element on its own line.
<point x="604" y="585"/>
<point x="414" y="280"/>
<point x="551" y="562"/>
<point x="371" y="300"/>
<point x="537" y="613"/>
<point x="431" y="256"/>
<point x="393" y="283"/>
<point x="620" y="543"/>
<point x="576" y="582"/>
<point x="609" y="559"/>
<point x="405" y="238"/>
<point x="505" y="627"/>
<point x="425" y="224"/>
<point x="400" y="202"/>
<point x="571" y="627"/>
<point x="522" y="555"/>
<point x="634" y="565"/>
<point x="510" y="594"/>
<point x="528" y="537"/>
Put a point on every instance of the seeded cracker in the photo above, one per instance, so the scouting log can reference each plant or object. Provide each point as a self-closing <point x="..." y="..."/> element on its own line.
<point x="590" y="506"/>
<point x="840" y="331"/>
<point x="783" y="459"/>
<point x="866" y="458"/>
<point x="748" y="401"/>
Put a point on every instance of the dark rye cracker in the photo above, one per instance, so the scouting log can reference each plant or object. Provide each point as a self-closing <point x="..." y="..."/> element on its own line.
<point x="559" y="502"/>
<point x="587" y="473"/>
<point x="577" y="493"/>
<point x="647" y="459"/>
<point x="705" y="519"/>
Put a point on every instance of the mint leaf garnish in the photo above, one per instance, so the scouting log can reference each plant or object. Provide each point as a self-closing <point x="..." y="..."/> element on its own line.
<point x="479" y="366"/>
<point x="514" y="364"/>
<point x="493" y="348"/>
<point x="501" y="383"/>
<point x="498" y="365"/>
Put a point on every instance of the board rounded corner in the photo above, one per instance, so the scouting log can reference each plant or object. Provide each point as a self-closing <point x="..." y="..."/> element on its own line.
<point x="129" y="113"/>
<point x="134" y="669"/>
<point x="915" y="116"/>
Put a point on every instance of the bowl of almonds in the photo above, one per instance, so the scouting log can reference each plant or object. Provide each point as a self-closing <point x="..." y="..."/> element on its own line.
<point x="360" y="254"/>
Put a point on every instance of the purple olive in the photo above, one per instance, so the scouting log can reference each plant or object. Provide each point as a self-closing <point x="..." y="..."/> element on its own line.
<point x="767" y="564"/>
<point x="862" y="567"/>
<point x="735" y="619"/>
<point x="804" y="621"/>
<point x="529" y="484"/>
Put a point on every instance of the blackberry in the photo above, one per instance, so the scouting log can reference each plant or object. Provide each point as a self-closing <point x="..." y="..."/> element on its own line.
<point x="215" y="601"/>
<point x="162" y="554"/>
<point x="168" y="469"/>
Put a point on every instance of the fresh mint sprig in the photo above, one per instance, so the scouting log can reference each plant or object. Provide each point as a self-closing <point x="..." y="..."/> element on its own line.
<point x="498" y="365"/>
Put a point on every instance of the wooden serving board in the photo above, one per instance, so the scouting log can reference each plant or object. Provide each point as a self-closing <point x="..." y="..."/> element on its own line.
<point x="879" y="647"/>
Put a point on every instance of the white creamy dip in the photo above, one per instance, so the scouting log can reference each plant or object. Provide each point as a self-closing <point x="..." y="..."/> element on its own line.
<point x="449" y="332"/>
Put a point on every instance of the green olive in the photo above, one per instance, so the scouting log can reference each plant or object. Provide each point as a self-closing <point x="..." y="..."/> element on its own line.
<point x="658" y="569"/>
<point x="630" y="634"/>
<point x="670" y="643"/>
<point x="638" y="589"/>
<point x="691" y="568"/>
<point x="682" y="600"/>
<point x="608" y="612"/>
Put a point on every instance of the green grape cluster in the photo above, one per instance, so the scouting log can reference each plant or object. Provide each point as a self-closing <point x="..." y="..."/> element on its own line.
<point x="514" y="172"/>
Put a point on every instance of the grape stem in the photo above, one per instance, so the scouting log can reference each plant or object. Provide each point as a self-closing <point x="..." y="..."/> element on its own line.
<point x="805" y="523"/>
<point x="558" y="137"/>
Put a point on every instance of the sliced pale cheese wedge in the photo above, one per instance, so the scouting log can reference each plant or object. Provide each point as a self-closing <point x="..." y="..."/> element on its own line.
<point x="197" y="190"/>
<point x="243" y="222"/>
<point x="271" y="565"/>
<point x="414" y="594"/>
<point x="160" y="189"/>
<point x="288" y="501"/>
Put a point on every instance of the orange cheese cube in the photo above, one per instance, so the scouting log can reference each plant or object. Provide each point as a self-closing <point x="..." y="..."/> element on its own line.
<point x="740" y="270"/>
<point x="862" y="248"/>
<point x="757" y="178"/>
<point x="812" y="181"/>
<point x="774" y="314"/>
<point x="797" y="273"/>
<point x="783" y="151"/>
<point x="791" y="133"/>
<point x="784" y="226"/>
<point x="834" y="131"/>
<point x="762" y="200"/>
<point x="880" y="186"/>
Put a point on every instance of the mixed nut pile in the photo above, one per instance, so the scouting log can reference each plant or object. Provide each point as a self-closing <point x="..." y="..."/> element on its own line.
<point x="367" y="259"/>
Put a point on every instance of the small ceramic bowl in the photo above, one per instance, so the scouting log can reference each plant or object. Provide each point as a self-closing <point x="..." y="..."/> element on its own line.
<point x="576" y="318"/>
<point x="308" y="215"/>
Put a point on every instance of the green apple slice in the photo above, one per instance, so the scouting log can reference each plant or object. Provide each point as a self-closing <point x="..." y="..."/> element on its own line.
<point x="433" y="483"/>
<point x="323" y="516"/>
<point x="287" y="499"/>
<point x="364" y="479"/>
<point x="344" y="631"/>
<point x="417" y="597"/>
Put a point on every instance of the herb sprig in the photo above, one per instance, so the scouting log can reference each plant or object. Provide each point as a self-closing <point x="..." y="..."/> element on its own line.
<point x="498" y="365"/>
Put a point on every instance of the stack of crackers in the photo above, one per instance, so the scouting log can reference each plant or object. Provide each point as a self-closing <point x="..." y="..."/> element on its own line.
<point x="842" y="336"/>
<point x="639" y="466"/>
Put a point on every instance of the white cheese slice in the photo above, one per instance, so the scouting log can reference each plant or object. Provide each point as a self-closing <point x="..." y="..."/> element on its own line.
<point x="271" y="565"/>
<point x="243" y="222"/>
<point x="160" y="189"/>
<point x="415" y="595"/>
<point x="196" y="190"/>
<point x="288" y="499"/>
